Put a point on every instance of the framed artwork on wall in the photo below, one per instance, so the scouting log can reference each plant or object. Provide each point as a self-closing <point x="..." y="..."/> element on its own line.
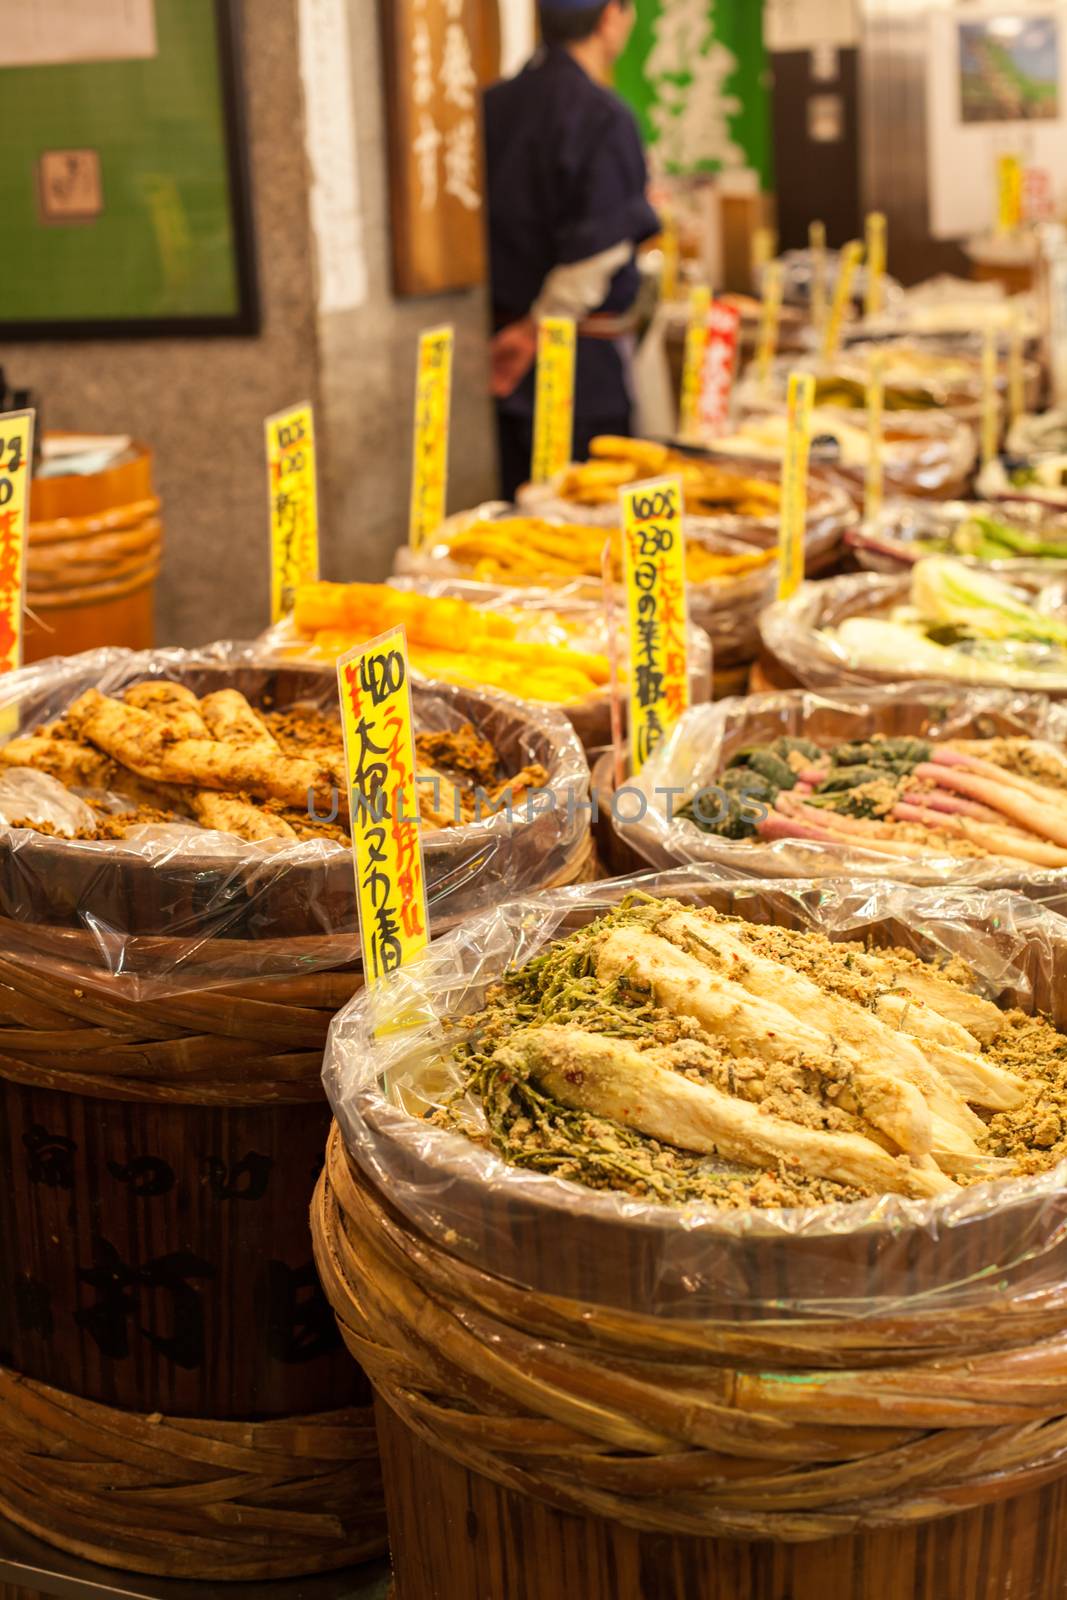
<point x="125" y="206"/>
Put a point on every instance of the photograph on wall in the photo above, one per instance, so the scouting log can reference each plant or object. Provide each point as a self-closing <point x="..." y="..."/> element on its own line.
<point x="1009" y="69"/>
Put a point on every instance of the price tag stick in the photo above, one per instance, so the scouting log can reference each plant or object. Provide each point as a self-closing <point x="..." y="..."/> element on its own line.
<point x="292" y="484"/>
<point x="653" y="545"/>
<point x="770" y="316"/>
<point x="433" y="407"/>
<point x="875" y="485"/>
<point x="16" y="469"/>
<point x="1016" y="378"/>
<point x="1009" y="194"/>
<point x="850" y="260"/>
<point x="876" y="259"/>
<point x="696" y="345"/>
<point x="374" y="685"/>
<point x="817" y="248"/>
<point x="671" y="251"/>
<point x="793" y="517"/>
<point x="990" y="398"/>
<point x="764" y="250"/>
<point x="607" y="579"/>
<point x="553" y="440"/>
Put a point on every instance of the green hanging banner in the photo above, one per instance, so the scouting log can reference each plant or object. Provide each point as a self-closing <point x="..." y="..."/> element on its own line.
<point x="695" y="72"/>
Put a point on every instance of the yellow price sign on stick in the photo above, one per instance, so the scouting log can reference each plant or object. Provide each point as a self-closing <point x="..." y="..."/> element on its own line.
<point x="1016" y="374"/>
<point x="875" y="484"/>
<point x="874" y="302"/>
<point x="696" y="349"/>
<point x="553" y="435"/>
<point x="846" y="273"/>
<point x="770" y="317"/>
<point x="433" y="409"/>
<point x="670" y="247"/>
<point x="653" y="545"/>
<point x="990" y="397"/>
<point x="1009" y="194"/>
<point x="292" y="483"/>
<point x="374" y="684"/>
<point x="16" y="466"/>
<point x="817" y="250"/>
<point x="793" y="517"/>
<point x="764" y="249"/>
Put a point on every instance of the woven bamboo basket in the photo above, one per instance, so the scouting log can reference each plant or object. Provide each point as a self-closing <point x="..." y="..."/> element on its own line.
<point x="174" y="1397"/>
<point x="95" y="544"/>
<point x="869" y="1412"/>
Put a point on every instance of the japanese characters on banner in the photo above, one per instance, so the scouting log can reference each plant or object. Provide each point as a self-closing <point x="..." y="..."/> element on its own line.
<point x="792" y="525"/>
<point x="294" y="506"/>
<point x="436" y="57"/>
<point x="720" y="363"/>
<point x="696" y="344"/>
<point x="653" y="544"/>
<point x="433" y="409"/>
<point x="553" y="437"/>
<point x="16" y="460"/>
<point x="374" y="685"/>
<point x="846" y="272"/>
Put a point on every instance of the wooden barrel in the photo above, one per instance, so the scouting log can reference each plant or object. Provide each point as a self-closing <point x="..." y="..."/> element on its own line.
<point x="174" y="1397"/>
<point x="608" y="1400"/>
<point x="95" y="546"/>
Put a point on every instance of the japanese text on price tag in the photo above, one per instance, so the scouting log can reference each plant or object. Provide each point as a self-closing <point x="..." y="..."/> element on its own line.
<point x="720" y="359"/>
<point x="1009" y="193"/>
<point x="294" y="506"/>
<point x="846" y="272"/>
<point x="696" y="344"/>
<point x="433" y="406"/>
<point x="553" y="440"/>
<point x="654" y="575"/>
<point x="375" y="690"/>
<point x="16" y="460"/>
<point x="794" y="513"/>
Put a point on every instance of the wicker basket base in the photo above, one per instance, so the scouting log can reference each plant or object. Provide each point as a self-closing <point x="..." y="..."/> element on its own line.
<point x="183" y="1498"/>
<point x="458" y="1536"/>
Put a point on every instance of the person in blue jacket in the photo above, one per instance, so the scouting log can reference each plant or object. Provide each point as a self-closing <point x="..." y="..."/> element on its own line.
<point x="567" y="199"/>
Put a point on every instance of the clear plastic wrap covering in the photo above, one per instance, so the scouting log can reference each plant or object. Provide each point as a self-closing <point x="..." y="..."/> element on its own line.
<point x="172" y="908"/>
<point x="538" y="613"/>
<point x="792" y="631"/>
<point x="891" y="543"/>
<point x="1038" y="435"/>
<point x="1039" y="480"/>
<point x="976" y="1248"/>
<point x="798" y="272"/>
<point x="694" y="755"/>
<point x="948" y="307"/>
<point x="931" y="453"/>
<point x="728" y="611"/>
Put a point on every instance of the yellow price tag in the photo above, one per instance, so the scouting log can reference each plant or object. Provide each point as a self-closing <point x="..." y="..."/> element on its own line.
<point x="16" y="469"/>
<point x="764" y="249"/>
<point x="1016" y="374"/>
<point x="876" y="259"/>
<point x="696" y="349"/>
<point x="433" y="406"/>
<point x="672" y="252"/>
<point x="817" y="248"/>
<point x="294" y="506"/>
<point x="374" y="684"/>
<point x="990" y="397"/>
<point x="846" y="272"/>
<point x="793" y="518"/>
<point x="875" y="485"/>
<point x="653" y="544"/>
<point x="1009" y="194"/>
<point x="770" y="317"/>
<point x="553" y="437"/>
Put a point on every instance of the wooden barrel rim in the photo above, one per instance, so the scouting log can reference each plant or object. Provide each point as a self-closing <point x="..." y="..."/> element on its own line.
<point x="189" y="1498"/>
<point x="611" y="1419"/>
<point x="61" y="529"/>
